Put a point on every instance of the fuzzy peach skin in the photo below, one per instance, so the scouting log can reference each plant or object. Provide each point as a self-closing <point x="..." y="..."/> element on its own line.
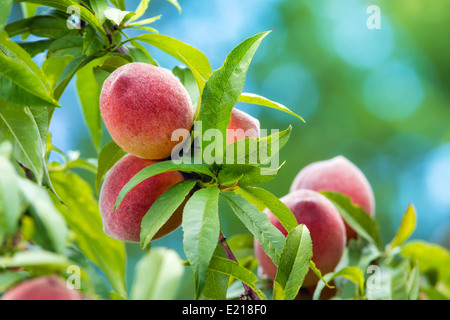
<point x="242" y="125"/>
<point x="338" y="175"/>
<point x="141" y="106"/>
<point x="42" y="288"/>
<point x="125" y="223"/>
<point x="325" y="226"/>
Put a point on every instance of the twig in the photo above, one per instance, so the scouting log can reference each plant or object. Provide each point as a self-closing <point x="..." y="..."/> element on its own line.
<point x="249" y="293"/>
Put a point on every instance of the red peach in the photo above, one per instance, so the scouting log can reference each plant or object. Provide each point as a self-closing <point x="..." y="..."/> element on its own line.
<point x="42" y="288"/>
<point x="242" y="125"/>
<point x="141" y="106"/>
<point x="325" y="226"/>
<point x="125" y="223"/>
<point x="338" y="175"/>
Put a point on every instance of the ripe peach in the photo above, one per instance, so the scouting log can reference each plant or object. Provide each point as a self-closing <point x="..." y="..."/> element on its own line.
<point x="125" y="223"/>
<point x="338" y="175"/>
<point x="141" y="105"/>
<point x="42" y="288"/>
<point x="325" y="226"/>
<point x="242" y="125"/>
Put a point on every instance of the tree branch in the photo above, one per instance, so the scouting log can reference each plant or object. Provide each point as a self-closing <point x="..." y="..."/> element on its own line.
<point x="249" y="293"/>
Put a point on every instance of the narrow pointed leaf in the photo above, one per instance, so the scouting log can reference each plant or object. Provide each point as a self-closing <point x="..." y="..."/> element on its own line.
<point x="406" y="228"/>
<point x="225" y="85"/>
<point x="262" y="101"/>
<point x="294" y="263"/>
<point x="162" y="209"/>
<point x="271" y="239"/>
<point x="273" y="203"/>
<point x="160" y="167"/>
<point x="201" y="229"/>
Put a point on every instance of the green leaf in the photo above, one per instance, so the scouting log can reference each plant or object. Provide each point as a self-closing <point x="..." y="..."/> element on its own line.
<point x="414" y="282"/>
<point x="89" y="95"/>
<point x="188" y="80"/>
<point x="143" y="22"/>
<point x="190" y="56"/>
<point x="225" y="85"/>
<point x="117" y="16"/>
<point x="35" y="258"/>
<point x="140" y="10"/>
<point x="271" y="239"/>
<point x="232" y="268"/>
<point x="157" y="275"/>
<point x="99" y="6"/>
<point x="109" y="155"/>
<point x="28" y="9"/>
<point x="392" y="281"/>
<point x="201" y="229"/>
<point x="139" y="54"/>
<point x="54" y="68"/>
<point x="406" y="228"/>
<point x="319" y="275"/>
<point x="176" y="4"/>
<point x="294" y="264"/>
<point x="19" y="85"/>
<point x="112" y="63"/>
<point x="14" y="51"/>
<point x="355" y="217"/>
<point x="81" y="213"/>
<point x="259" y="100"/>
<point x="160" y="167"/>
<point x="70" y="45"/>
<point x="119" y="4"/>
<point x="246" y="174"/>
<point x="354" y="274"/>
<point x="273" y="203"/>
<point x="54" y="229"/>
<point x="10" y="202"/>
<point x="62" y="5"/>
<point x="216" y="284"/>
<point x="9" y="278"/>
<point x="92" y="44"/>
<point x="6" y="6"/>
<point x="69" y="72"/>
<point x="162" y="209"/>
<point x="43" y="25"/>
<point x="257" y="151"/>
<point x="18" y="125"/>
<point x="35" y="47"/>
<point x="430" y="257"/>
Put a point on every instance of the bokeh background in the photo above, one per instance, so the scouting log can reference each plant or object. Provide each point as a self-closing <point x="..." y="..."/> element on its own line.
<point x="379" y="97"/>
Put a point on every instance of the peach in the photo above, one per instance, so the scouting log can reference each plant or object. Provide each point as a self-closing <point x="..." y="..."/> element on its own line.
<point x="42" y="288"/>
<point x="141" y="106"/>
<point x="242" y="125"/>
<point x="338" y="175"/>
<point x="125" y="223"/>
<point x="325" y="225"/>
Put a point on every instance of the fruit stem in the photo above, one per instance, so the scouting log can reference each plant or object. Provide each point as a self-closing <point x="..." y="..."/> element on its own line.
<point x="249" y="293"/>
